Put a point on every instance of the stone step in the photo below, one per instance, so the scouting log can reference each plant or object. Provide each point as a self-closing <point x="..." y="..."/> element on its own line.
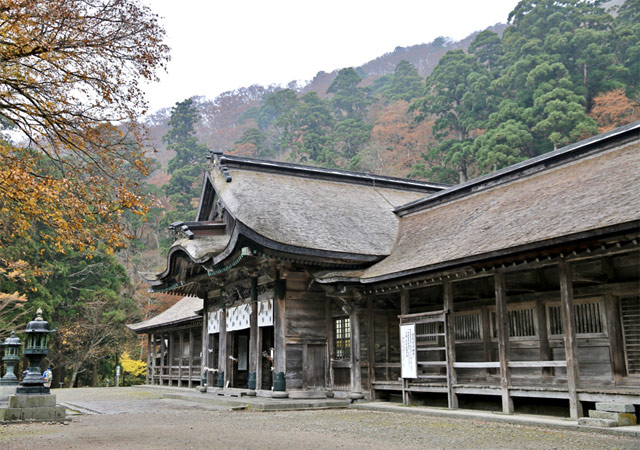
<point x="615" y="407"/>
<point x="593" y="422"/>
<point x="622" y="419"/>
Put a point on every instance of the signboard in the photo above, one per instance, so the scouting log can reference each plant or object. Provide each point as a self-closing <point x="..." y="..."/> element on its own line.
<point x="408" y="351"/>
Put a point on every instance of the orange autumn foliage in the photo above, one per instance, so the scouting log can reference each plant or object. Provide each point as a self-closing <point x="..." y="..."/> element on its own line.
<point x="613" y="109"/>
<point x="69" y="70"/>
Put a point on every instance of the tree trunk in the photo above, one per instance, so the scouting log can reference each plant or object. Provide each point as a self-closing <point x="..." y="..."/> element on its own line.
<point x="94" y="374"/>
<point x="74" y="375"/>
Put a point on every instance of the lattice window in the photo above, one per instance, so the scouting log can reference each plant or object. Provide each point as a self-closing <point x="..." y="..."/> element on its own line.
<point x="342" y="338"/>
<point x="589" y="318"/>
<point x="522" y="322"/>
<point x="630" y="314"/>
<point x="427" y="333"/>
<point x="468" y="326"/>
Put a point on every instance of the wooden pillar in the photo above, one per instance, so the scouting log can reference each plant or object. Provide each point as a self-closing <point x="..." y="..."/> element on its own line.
<point x="163" y="351"/>
<point x="190" y="383"/>
<point x="154" y="362"/>
<point x="205" y="362"/>
<point x="279" y="357"/>
<point x="253" y="338"/>
<point x="330" y="344"/>
<point x="502" y="320"/>
<point x="259" y="359"/>
<point x="545" y="348"/>
<point x="450" y="330"/>
<point x="487" y="345"/>
<point x="180" y="361"/>
<point x="404" y="302"/>
<point x="356" y="372"/>
<point x="222" y="348"/>
<point x="372" y="348"/>
<point x="570" y="341"/>
<point x="616" y="343"/>
<point x="146" y="380"/>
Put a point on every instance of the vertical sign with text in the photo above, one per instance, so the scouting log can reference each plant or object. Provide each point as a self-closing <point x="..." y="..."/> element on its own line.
<point x="408" y="351"/>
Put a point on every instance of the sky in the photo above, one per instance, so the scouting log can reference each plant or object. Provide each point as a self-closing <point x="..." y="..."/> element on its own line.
<point x="222" y="45"/>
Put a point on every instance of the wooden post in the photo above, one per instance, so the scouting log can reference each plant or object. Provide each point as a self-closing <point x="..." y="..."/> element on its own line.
<point x="259" y="359"/>
<point x="279" y="357"/>
<point x="452" y="379"/>
<point x="163" y="350"/>
<point x="371" y="346"/>
<point x="616" y="343"/>
<point x="222" y="349"/>
<point x="405" y="307"/>
<point x="502" y="319"/>
<point x="180" y="361"/>
<point x="190" y="382"/>
<point x="146" y="380"/>
<point x="545" y="348"/>
<point x="253" y="337"/>
<point x="330" y="344"/>
<point x="154" y="362"/>
<point x="570" y="341"/>
<point x="204" y="353"/>
<point x="356" y="372"/>
<point x="486" y="338"/>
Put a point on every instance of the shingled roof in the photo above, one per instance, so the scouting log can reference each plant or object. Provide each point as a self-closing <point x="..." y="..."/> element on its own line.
<point x="316" y="212"/>
<point x="184" y="310"/>
<point x="523" y="206"/>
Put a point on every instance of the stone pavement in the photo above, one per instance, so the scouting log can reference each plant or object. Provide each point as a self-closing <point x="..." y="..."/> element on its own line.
<point x="269" y="404"/>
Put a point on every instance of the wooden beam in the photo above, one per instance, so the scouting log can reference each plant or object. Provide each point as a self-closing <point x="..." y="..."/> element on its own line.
<point x="570" y="341"/>
<point x="450" y="344"/>
<point x="502" y="320"/>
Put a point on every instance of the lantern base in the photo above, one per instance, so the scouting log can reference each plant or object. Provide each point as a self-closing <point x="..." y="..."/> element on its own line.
<point x="30" y="390"/>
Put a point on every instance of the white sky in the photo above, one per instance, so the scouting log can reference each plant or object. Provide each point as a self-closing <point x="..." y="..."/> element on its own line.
<point x="221" y="45"/>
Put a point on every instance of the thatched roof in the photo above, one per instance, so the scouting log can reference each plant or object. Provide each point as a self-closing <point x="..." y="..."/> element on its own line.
<point x="593" y="191"/>
<point x="310" y="208"/>
<point x="184" y="310"/>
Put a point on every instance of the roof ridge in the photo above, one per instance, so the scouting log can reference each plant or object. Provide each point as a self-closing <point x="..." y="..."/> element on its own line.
<point x="223" y="162"/>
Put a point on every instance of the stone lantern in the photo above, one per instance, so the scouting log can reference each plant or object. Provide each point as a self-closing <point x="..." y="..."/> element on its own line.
<point x="11" y="358"/>
<point x="35" y="351"/>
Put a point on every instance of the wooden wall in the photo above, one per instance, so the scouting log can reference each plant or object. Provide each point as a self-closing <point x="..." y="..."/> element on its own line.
<point x="305" y="333"/>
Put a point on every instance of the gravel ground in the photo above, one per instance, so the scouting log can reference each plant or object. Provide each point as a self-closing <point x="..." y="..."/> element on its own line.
<point x="138" y="419"/>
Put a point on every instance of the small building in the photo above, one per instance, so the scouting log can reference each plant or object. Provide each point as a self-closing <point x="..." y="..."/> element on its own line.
<point x="174" y="344"/>
<point x="520" y="284"/>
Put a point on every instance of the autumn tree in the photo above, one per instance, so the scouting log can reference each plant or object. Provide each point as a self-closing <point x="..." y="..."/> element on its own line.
<point x="69" y="69"/>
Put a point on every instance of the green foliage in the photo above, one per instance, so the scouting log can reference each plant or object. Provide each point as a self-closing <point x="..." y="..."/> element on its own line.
<point x="187" y="165"/>
<point x="404" y="84"/>
<point x="348" y="99"/>
<point x="532" y="90"/>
